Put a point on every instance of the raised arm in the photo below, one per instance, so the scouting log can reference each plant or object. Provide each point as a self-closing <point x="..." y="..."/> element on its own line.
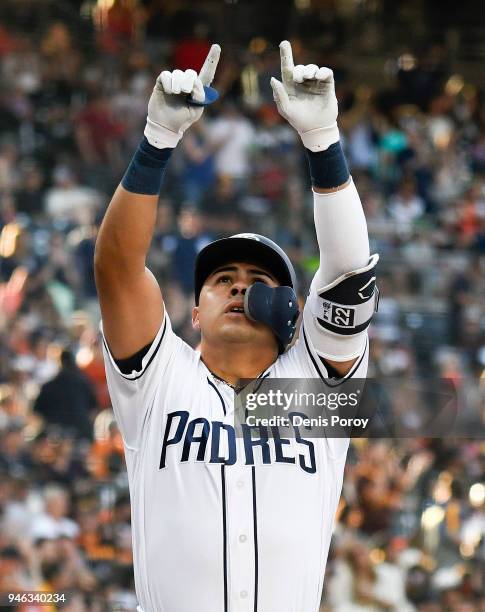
<point x="343" y="294"/>
<point x="131" y="301"/>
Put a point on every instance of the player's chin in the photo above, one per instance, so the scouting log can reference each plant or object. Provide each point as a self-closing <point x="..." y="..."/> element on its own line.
<point x="250" y="332"/>
<point x="240" y="329"/>
<point x="235" y="330"/>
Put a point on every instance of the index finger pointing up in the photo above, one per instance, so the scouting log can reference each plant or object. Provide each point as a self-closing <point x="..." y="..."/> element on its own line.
<point x="287" y="65"/>
<point x="208" y="70"/>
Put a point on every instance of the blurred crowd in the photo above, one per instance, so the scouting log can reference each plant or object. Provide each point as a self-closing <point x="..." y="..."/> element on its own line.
<point x="411" y="523"/>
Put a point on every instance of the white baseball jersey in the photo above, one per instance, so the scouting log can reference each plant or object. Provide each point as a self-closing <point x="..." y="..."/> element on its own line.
<point x="220" y="525"/>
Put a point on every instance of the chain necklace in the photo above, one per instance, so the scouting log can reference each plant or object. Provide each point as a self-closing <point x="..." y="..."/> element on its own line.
<point x="236" y="389"/>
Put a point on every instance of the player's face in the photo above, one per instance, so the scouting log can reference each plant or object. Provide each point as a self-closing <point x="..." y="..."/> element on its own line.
<point x="220" y="315"/>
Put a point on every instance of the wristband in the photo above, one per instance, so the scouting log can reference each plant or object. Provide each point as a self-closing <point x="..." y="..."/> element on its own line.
<point x="328" y="169"/>
<point x="145" y="172"/>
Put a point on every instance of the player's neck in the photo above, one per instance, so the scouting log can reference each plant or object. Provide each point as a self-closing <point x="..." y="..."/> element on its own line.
<point x="233" y="364"/>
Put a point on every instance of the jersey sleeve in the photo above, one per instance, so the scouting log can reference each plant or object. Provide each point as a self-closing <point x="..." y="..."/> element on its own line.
<point x="132" y="394"/>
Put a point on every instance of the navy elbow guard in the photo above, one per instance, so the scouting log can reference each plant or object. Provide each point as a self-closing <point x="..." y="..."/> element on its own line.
<point x="347" y="305"/>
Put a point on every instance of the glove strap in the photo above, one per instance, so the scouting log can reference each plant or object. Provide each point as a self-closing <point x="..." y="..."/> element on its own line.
<point x="321" y="138"/>
<point x="161" y="137"/>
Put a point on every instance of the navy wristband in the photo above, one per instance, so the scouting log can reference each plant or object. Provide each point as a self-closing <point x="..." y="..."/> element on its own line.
<point x="328" y="169"/>
<point x="145" y="172"/>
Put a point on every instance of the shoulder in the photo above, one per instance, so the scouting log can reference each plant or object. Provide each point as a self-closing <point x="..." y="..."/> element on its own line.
<point x="166" y="351"/>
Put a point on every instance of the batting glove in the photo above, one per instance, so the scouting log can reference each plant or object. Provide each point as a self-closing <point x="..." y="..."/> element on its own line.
<point x="169" y="110"/>
<point x="306" y="99"/>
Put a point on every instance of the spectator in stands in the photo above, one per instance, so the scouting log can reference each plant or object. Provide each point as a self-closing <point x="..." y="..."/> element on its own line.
<point x="470" y="216"/>
<point x="68" y="399"/>
<point x="190" y="239"/>
<point x="232" y="136"/>
<point x="30" y="196"/>
<point x="191" y="51"/>
<point x="13" y="453"/>
<point x="357" y="585"/>
<point x="68" y="202"/>
<point x="53" y="522"/>
<point x="406" y="208"/>
<point x="98" y="136"/>
<point x="199" y="175"/>
<point x="13" y="571"/>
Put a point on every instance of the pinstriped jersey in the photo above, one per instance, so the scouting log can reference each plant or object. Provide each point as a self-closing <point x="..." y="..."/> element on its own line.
<point x="217" y="527"/>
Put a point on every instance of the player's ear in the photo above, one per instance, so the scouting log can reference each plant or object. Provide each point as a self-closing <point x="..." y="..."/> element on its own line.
<point x="195" y="318"/>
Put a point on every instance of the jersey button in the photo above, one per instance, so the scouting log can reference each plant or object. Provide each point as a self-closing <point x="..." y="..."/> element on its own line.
<point x="243" y="538"/>
<point x="243" y="594"/>
<point x="240" y="484"/>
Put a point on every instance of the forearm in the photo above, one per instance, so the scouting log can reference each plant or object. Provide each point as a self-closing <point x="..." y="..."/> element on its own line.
<point x="126" y="232"/>
<point x="339" y="219"/>
<point x="341" y="231"/>
<point x="127" y="229"/>
<point x="334" y="304"/>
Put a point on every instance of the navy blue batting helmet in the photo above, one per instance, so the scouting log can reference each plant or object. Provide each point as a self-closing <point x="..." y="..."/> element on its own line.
<point x="278" y="311"/>
<point x="247" y="248"/>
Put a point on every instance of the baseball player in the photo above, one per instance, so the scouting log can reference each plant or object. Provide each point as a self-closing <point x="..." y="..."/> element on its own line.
<point x="223" y="523"/>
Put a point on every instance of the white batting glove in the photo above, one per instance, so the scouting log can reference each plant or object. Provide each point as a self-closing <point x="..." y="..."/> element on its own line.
<point x="306" y="99"/>
<point x="169" y="113"/>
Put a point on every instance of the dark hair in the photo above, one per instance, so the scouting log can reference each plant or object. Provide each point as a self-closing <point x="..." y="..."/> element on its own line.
<point x="11" y="553"/>
<point x="51" y="570"/>
<point x="67" y="359"/>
